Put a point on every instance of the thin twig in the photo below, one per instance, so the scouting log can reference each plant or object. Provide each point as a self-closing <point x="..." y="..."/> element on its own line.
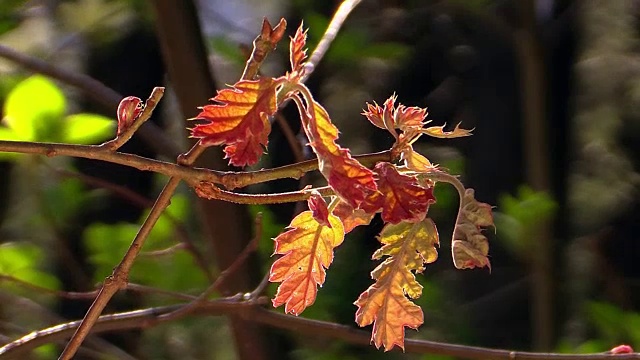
<point x="97" y="91"/>
<point x="90" y="295"/>
<point x="294" y="144"/>
<point x="119" y="277"/>
<point x="329" y="35"/>
<point x="251" y="311"/>
<point x="150" y="105"/>
<point x="210" y="191"/>
<point x="235" y="265"/>
<point x="230" y="180"/>
<point x="180" y="231"/>
<point x="137" y="319"/>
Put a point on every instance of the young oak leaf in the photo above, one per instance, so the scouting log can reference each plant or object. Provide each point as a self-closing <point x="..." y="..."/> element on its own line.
<point x="469" y="246"/>
<point x="350" y="217"/>
<point x="348" y="178"/>
<point x="297" y="50"/>
<point x="390" y="117"/>
<point x="308" y="250"/>
<point x="399" y="196"/>
<point x="239" y="120"/>
<point x="438" y="132"/>
<point x="409" y="246"/>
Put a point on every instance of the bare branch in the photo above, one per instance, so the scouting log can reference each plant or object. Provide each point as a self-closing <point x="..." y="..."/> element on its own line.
<point x="329" y="35"/>
<point x="97" y="91"/>
<point x="249" y="310"/>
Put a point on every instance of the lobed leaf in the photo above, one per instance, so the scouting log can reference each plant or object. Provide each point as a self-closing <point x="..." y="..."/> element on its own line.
<point x="308" y="250"/>
<point x="348" y="178"/>
<point x="409" y="246"/>
<point x="240" y="120"/>
<point x="469" y="246"/>
<point x="390" y="117"/>
<point x="399" y="196"/>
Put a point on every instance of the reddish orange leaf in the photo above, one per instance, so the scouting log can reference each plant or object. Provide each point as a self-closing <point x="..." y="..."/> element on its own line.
<point x="390" y="117"/>
<point x="438" y="131"/>
<point x="297" y="50"/>
<point x="399" y="196"/>
<point x="469" y="246"/>
<point x="319" y="209"/>
<point x="239" y="120"/>
<point x="351" y="217"/>
<point x="409" y="246"/>
<point x="348" y="178"/>
<point x="410" y="117"/>
<point x="308" y="250"/>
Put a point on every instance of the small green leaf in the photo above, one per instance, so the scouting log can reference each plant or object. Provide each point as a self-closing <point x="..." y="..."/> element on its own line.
<point x="87" y="128"/>
<point x="34" y="109"/>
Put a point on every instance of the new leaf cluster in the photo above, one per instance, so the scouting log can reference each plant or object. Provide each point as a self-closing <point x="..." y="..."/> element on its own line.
<point x="239" y="119"/>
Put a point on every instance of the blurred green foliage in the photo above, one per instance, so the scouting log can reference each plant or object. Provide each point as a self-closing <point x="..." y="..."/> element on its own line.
<point x="519" y="217"/>
<point x="161" y="264"/>
<point x="34" y="110"/>
<point x="23" y="261"/>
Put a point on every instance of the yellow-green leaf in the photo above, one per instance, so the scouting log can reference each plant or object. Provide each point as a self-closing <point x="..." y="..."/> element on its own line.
<point x="385" y="304"/>
<point x="34" y="109"/>
<point x="87" y="128"/>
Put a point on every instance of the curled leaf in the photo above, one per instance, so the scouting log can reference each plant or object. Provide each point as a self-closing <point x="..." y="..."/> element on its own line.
<point x="470" y="247"/>
<point x="308" y="250"/>
<point x="409" y="246"/>
<point x="239" y="120"/>
<point x="319" y="209"/>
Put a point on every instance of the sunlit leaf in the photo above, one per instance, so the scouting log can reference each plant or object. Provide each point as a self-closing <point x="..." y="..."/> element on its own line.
<point x="469" y="246"/>
<point x="350" y="217"/>
<point x="415" y="161"/>
<point x="240" y="120"/>
<point x="390" y="117"/>
<point x="409" y="246"/>
<point x="319" y="210"/>
<point x="399" y="196"/>
<point x="298" y="50"/>
<point x="87" y="128"/>
<point x="349" y="179"/>
<point x="438" y="131"/>
<point x="34" y="109"/>
<point x="308" y="250"/>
